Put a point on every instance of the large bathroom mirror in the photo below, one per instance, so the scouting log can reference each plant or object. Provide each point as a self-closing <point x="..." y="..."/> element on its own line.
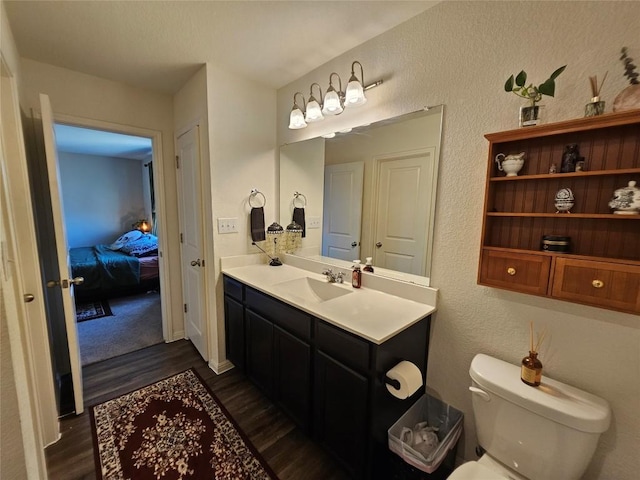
<point x="368" y="192"/>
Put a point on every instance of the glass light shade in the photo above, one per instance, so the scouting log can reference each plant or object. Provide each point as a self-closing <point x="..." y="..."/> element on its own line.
<point x="329" y="135"/>
<point x="354" y="94"/>
<point x="332" y="104"/>
<point x="296" y="119"/>
<point x="314" y="114"/>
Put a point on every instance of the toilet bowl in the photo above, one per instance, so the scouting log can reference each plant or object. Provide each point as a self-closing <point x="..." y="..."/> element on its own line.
<point x="530" y="433"/>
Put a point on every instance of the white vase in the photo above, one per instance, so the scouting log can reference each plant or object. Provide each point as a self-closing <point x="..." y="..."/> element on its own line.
<point x="530" y="115"/>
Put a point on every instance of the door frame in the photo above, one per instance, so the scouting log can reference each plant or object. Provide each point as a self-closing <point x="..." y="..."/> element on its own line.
<point x="160" y="198"/>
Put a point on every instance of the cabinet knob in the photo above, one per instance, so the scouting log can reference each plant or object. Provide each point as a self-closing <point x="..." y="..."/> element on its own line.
<point x="511" y="271"/>
<point x="597" y="283"/>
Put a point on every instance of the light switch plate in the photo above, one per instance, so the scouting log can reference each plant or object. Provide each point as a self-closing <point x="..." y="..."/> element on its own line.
<point x="227" y="225"/>
<point x="313" y="222"/>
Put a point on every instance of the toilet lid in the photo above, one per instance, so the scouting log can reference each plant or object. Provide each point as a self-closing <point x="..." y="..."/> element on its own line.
<point x="475" y="471"/>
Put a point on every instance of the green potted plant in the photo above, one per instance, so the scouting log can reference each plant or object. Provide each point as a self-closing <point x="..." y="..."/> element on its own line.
<point x="529" y="115"/>
<point x="629" y="98"/>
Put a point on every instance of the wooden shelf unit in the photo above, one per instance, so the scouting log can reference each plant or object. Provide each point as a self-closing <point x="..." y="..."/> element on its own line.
<point x="520" y="210"/>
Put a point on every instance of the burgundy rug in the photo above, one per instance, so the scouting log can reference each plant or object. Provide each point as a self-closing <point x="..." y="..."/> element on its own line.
<point x="172" y="429"/>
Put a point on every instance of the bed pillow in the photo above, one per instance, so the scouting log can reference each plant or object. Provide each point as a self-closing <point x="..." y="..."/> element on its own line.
<point x="126" y="238"/>
<point x="143" y="246"/>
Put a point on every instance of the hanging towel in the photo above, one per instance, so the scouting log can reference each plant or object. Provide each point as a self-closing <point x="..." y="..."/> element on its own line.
<point x="257" y="224"/>
<point x="298" y="217"/>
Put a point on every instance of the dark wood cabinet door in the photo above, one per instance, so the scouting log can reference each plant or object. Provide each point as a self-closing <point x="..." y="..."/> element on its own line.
<point x="340" y="413"/>
<point x="235" y="338"/>
<point x="260" y="351"/>
<point x="292" y="383"/>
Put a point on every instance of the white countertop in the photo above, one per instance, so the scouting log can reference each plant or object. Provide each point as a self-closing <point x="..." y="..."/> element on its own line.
<point x="368" y="313"/>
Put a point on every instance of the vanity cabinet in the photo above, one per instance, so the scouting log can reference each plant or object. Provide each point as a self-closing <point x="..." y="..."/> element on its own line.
<point x="602" y="266"/>
<point x="328" y="380"/>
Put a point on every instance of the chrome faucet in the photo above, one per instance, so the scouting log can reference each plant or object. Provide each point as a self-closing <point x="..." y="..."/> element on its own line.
<point x="333" y="277"/>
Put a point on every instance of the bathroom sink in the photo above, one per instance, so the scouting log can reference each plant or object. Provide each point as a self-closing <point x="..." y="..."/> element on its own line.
<point x="310" y="289"/>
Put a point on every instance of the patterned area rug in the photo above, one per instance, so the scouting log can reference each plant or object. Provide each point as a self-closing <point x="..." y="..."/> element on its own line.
<point x="172" y="429"/>
<point x="91" y="310"/>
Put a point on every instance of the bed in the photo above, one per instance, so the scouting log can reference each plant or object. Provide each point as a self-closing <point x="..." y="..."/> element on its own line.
<point x="114" y="270"/>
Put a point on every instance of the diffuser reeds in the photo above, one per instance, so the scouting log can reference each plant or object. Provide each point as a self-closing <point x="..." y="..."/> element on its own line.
<point x="595" y="88"/>
<point x="535" y="348"/>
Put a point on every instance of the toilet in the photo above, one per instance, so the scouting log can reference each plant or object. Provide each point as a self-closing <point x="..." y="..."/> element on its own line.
<point x="530" y="433"/>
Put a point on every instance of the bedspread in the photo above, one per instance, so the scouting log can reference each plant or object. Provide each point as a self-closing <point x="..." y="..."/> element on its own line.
<point x="104" y="268"/>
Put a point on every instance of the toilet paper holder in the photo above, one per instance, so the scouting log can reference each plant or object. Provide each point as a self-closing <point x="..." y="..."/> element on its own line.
<point x="392" y="381"/>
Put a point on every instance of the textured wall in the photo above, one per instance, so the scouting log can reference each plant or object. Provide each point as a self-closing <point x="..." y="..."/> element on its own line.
<point x="460" y="54"/>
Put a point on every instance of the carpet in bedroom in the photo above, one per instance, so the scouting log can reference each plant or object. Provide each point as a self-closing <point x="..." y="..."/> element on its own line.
<point x="136" y="323"/>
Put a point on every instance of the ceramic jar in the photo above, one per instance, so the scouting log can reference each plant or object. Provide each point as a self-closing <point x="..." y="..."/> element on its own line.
<point x="626" y="200"/>
<point x="510" y="164"/>
<point x="564" y="200"/>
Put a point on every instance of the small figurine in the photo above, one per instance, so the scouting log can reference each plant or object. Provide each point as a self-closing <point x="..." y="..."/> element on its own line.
<point x="552" y="168"/>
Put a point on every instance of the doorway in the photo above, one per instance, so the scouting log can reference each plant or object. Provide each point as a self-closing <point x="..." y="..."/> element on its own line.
<point x="108" y="197"/>
<point x="106" y="192"/>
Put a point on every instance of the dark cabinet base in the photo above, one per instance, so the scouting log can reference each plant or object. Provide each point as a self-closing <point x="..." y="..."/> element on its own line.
<point x="329" y="381"/>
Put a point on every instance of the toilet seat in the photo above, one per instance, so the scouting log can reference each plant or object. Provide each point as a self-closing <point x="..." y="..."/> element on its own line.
<point x="475" y="471"/>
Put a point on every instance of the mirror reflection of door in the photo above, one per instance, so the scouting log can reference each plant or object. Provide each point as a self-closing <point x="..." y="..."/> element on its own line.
<point x="402" y="210"/>
<point x="342" y="209"/>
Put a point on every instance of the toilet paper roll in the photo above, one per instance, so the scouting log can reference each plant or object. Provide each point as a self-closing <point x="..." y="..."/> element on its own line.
<point x="408" y="375"/>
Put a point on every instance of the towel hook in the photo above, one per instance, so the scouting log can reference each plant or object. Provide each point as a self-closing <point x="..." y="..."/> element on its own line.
<point x="254" y="193"/>
<point x="296" y="196"/>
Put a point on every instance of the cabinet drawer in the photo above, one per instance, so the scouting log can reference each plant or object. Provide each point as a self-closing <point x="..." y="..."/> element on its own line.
<point x="233" y="288"/>
<point x="609" y="285"/>
<point x="289" y="318"/>
<point x="522" y="272"/>
<point x="343" y="346"/>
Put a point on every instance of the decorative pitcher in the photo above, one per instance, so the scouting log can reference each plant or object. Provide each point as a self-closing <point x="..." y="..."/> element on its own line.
<point x="510" y="164"/>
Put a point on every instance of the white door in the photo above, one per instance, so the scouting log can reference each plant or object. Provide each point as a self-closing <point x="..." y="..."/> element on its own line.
<point x="342" y="210"/>
<point x="64" y="279"/>
<point x="403" y="210"/>
<point x="193" y="262"/>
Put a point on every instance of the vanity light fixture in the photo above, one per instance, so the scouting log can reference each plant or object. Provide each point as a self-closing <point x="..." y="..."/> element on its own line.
<point x="314" y="112"/>
<point x="333" y="103"/>
<point x="333" y="100"/>
<point x="355" y="88"/>
<point x="296" y="117"/>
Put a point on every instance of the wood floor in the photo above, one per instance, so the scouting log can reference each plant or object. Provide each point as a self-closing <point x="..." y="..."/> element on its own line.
<point x="289" y="452"/>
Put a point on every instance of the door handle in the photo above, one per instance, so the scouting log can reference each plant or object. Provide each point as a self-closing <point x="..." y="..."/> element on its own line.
<point x="195" y="263"/>
<point x="28" y="297"/>
<point x="379" y="244"/>
<point x="65" y="283"/>
<point x="354" y="244"/>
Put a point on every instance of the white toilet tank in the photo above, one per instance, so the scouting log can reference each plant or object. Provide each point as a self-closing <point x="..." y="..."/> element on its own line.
<point x="544" y="432"/>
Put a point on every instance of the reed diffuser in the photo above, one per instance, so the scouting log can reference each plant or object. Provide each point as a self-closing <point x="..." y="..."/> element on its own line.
<point x="596" y="106"/>
<point x="531" y="371"/>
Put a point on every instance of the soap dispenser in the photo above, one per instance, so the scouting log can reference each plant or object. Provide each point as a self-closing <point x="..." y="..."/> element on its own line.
<point x="368" y="267"/>
<point x="356" y="275"/>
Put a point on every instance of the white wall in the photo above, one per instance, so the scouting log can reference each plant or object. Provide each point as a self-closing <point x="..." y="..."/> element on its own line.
<point x="102" y="197"/>
<point x="302" y="170"/>
<point x="460" y="54"/>
<point x="82" y="96"/>
<point x="242" y="132"/>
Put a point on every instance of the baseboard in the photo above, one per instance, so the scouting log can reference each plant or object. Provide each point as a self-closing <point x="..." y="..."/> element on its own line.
<point x="179" y="335"/>
<point x="220" y="367"/>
